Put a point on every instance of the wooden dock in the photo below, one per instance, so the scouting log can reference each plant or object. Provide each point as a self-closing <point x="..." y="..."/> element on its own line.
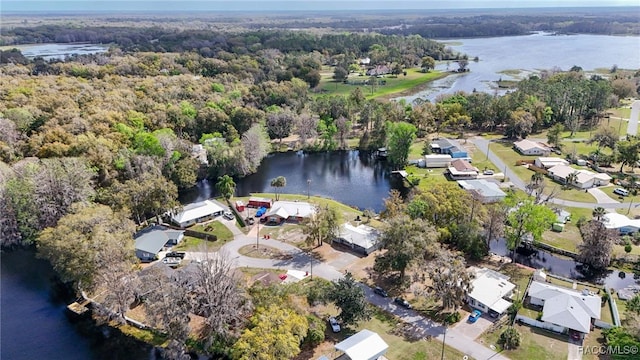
<point x="78" y="308"/>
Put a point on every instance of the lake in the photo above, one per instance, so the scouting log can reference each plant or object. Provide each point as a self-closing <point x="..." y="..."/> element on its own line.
<point x="351" y="177"/>
<point x="59" y="51"/>
<point x="529" y="54"/>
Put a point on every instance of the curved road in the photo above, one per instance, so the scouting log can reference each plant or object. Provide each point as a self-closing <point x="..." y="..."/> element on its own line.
<point x="483" y="145"/>
<point x="299" y="260"/>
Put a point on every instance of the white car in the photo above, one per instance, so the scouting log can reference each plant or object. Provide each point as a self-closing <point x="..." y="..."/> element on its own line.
<point x="621" y="191"/>
<point x="335" y="327"/>
<point x="228" y="215"/>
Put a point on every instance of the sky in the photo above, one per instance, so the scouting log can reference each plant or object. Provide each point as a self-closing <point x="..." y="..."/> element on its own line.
<point x="56" y="6"/>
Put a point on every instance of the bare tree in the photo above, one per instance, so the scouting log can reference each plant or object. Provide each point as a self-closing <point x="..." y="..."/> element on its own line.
<point x="306" y="125"/>
<point x="256" y="145"/>
<point x="218" y="296"/>
<point x="119" y="284"/>
<point x="279" y="124"/>
<point x="451" y="280"/>
<point x="597" y="245"/>
<point x="494" y="225"/>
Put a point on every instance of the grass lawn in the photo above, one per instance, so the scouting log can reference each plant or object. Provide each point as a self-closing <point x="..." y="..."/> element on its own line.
<point x="567" y="239"/>
<point x="518" y="275"/>
<point x="415" y="151"/>
<point x="394" y="85"/>
<point x="191" y="243"/>
<point x="263" y="251"/>
<point x="427" y="177"/>
<point x="594" y="338"/>
<point x="535" y="344"/>
<point x="147" y="336"/>
<point x="214" y="228"/>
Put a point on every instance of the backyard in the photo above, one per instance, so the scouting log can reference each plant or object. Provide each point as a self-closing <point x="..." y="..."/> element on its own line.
<point x="535" y="343"/>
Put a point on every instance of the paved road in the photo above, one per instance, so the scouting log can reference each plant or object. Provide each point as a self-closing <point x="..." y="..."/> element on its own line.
<point x="483" y="145"/>
<point x="299" y="260"/>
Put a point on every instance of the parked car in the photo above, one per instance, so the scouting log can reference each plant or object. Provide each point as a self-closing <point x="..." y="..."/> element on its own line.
<point x="380" y="291"/>
<point x="487" y="172"/>
<point x="494" y="314"/>
<point x="621" y="191"/>
<point x="261" y="211"/>
<point x="172" y="261"/>
<point x="474" y="316"/>
<point x="249" y="221"/>
<point x="402" y="302"/>
<point x="228" y="215"/>
<point x="177" y="254"/>
<point x="335" y="327"/>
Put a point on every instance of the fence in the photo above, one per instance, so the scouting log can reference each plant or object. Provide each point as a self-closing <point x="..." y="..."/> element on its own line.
<point x="554" y="249"/>
<point x="614" y="307"/>
<point x="540" y="324"/>
<point x="200" y="235"/>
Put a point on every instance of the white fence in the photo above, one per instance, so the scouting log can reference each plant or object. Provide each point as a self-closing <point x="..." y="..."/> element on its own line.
<point x="602" y="324"/>
<point x="540" y="324"/>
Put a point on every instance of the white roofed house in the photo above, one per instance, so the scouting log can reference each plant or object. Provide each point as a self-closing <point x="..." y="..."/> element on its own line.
<point x="197" y="212"/>
<point x="361" y="238"/>
<point x="364" y="345"/>
<point x="621" y="223"/>
<point x="567" y="309"/>
<point x="461" y="169"/>
<point x="486" y="191"/>
<point x="489" y="291"/>
<point x="549" y="162"/>
<point x="528" y="147"/>
<point x="292" y="211"/>
<point x="584" y="178"/>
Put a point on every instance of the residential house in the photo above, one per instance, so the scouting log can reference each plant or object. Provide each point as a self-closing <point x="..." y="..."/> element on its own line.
<point x="549" y="162"/>
<point x="461" y="169"/>
<point x="490" y="289"/>
<point x="448" y="146"/>
<point x="292" y="211"/>
<point x="379" y="70"/>
<point x="584" y="178"/>
<point x="364" y="61"/>
<point x="437" y="160"/>
<point x="568" y="309"/>
<point x="150" y="241"/>
<point x="621" y="223"/>
<point x="362" y="238"/>
<point x="197" y="212"/>
<point x="528" y="147"/>
<point x="364" y="345"/>
<point x="486" y="191"/>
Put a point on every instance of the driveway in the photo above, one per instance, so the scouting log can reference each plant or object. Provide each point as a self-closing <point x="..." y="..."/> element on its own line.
<point x="474" y="330"/>
<point x="483" y="145"/>
<point x="574" y="350"/>
<point x="602" y="197"/>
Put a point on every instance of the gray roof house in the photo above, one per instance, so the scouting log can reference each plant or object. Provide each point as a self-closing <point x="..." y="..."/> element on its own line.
<point x="150" y="241"/>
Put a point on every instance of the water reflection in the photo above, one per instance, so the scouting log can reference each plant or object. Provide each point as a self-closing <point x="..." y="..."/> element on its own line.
<point x="563" y="266"/>
<point x="351" y="177"/>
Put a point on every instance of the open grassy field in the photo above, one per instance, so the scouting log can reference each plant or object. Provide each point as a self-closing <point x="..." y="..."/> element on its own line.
<point x="414" y="79"/>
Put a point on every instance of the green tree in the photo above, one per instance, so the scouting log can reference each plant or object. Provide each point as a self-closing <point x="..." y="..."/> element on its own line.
<point x="274" y="333"/>
<point x="226" y="186"/>
<point x="510" y="339"/>
<point x="633" y="304"/>
<point x="148" y="195"/>
<point x="278" y="183"/>
<point x="406" y="241"/>
<point x="340" y="74"/>
<point x="628" y="151"/>
<point x="400" y="136"/>
<point x="428" y="63"/>
<point x="598" y="213"/>
<point x="553" y="135"/>
<point x="526" y="217"/>
<point x="90" y="239"/>
<point x="349" y="297"/>
<point x="323" y="226"/>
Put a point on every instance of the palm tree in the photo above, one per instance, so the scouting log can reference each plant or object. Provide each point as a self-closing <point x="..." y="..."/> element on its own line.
<point x="598" y="213"/>
<point x="571" y="179"/>
<point x="277" y="183"/>
<point x="226" y="186"/>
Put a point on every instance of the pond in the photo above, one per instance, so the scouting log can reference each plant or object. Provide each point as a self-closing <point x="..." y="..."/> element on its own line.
<point x="563" y="266"/>
<point x="351" y="177"/>
<point x="59" y="51"/>
<point x="523" y="55"/>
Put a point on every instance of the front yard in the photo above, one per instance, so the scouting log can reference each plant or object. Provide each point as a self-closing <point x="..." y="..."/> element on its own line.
<point x="535" y="343"/>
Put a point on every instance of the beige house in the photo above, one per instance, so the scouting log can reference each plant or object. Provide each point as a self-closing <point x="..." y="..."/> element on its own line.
<point x="585" y="179"/>
<point x="528" y="147"/>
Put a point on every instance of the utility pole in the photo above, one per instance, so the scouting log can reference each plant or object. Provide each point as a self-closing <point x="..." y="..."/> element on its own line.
<point x="308" y="188"/>
<point x="444" y="339"/>
<point x="258" y="234"/>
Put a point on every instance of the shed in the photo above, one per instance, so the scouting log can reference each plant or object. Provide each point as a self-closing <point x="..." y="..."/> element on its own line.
<point x="365" y="345"/>
<point x="258" y="202"/>
<point x="437" y="161"/>
<point x="240" y="205"/>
